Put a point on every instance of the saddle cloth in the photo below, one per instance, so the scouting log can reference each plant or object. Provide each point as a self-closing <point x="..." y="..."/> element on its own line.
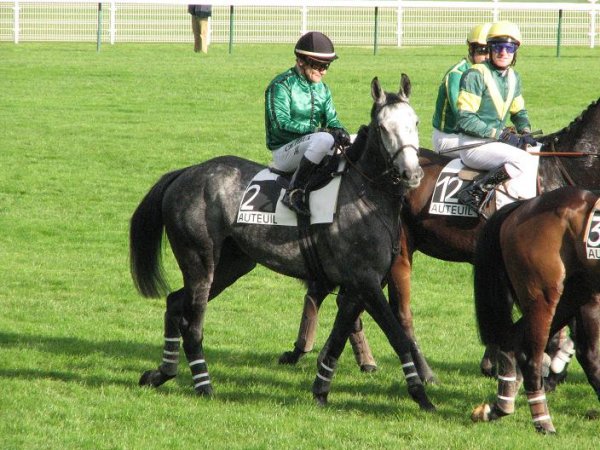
<point x="592" y="233"/>
<point x="448" y="184"/>
<point x="261" y="202"/>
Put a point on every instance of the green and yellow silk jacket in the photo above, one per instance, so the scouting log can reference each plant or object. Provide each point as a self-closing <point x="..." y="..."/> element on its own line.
<point x="487" y="98"/>
<point x="446" y="111"/>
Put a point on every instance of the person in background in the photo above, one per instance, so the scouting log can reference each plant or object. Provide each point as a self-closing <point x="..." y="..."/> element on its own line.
<point x="490" y="93"/>
<point x="200" y="15"/>
<point x="444" y="118"/>
<point x="301" y="122"/>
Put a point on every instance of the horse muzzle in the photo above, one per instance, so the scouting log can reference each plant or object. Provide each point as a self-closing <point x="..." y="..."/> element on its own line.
<point x="412" y="178"/>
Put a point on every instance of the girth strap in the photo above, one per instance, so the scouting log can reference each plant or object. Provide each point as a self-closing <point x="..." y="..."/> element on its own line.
<point x="309" y="252"/>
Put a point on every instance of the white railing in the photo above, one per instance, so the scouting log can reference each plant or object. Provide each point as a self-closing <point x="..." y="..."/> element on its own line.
<point x="385" y="22"/>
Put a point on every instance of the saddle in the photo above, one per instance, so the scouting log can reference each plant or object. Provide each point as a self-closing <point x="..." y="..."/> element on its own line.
<point x="326" y="171"/>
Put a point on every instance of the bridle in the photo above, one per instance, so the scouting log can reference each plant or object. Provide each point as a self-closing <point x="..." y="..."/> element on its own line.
<point x="391" y="174"/>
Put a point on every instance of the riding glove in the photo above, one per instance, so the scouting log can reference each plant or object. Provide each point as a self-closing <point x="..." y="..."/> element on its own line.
<point x="340" y="136"/>
<point x="509" y="137"/>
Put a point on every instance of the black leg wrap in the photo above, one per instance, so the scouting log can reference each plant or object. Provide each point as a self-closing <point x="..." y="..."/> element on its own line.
<point x="170" y="356"/>
<point x="200" y="376"/>
<point x="415" y="387"/>
<point x="322" y="384"/>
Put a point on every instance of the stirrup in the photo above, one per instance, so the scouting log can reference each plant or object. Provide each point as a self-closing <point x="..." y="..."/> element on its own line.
<point x="295" y="203"/>
<point x="470" y="198"/>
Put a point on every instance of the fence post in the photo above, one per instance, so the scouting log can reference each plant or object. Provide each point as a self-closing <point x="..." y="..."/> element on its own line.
<point x="399" y="30"/>
<point x="99" y="35"/>
<point x="495" y="11"/>
<point x="375" y="32"/>
<point x="593" y="14"/>
<point x="16" y="21"/>
<point x="112" y="27"/>
<point x="230" y="28"/>
<point x="559" y="32"/>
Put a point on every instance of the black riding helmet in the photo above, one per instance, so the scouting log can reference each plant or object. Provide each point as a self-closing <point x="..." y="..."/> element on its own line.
<point x="315" y="46"/>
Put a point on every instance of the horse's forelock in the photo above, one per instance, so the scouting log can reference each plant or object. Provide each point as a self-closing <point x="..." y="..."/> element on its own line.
<point x="390" y="99"/>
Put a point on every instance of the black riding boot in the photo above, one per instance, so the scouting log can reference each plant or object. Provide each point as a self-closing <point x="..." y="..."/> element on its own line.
<point x="295" y="197"/>
<point x="474" y="195"/>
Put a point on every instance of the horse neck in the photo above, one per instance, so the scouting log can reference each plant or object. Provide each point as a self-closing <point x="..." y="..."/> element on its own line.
<point x="582" y="134"/>
<point x="372" y="163"/>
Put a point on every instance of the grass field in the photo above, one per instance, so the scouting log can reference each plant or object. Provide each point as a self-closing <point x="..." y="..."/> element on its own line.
<point x="83" y="137"/>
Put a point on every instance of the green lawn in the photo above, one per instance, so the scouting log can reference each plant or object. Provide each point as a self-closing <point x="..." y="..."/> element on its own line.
<point x="84" y="135"/>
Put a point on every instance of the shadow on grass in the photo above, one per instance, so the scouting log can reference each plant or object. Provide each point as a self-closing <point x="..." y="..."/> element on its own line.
<point x="252" y="377"/>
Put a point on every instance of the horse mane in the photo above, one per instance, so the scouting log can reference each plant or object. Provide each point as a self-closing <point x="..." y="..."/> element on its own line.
<point x="575" y="123"/>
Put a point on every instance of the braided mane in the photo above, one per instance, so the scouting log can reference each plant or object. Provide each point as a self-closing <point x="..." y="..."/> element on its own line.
<point x="574" y="123"/>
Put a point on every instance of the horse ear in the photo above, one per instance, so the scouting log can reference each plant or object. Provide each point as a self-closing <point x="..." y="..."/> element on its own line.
<point x="376" y="92"/>
<point x="404" y="92"/>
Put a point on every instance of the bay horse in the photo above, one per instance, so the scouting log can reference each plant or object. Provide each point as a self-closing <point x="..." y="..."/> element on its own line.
<point x="451" y="238"/>
<point x="536" y="254"/>
<point x="197" y="207"/>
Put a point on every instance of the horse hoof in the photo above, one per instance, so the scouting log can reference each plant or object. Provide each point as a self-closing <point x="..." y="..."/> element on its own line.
<point x="488" y="371"/>
<point x="481" y="413"/>
<point x="545" y="428"/>
<point x="418" y="394"/>
<point x="321" y="399"/>
<point x="291" y="358"/>
<point x="430" y="379"/>
<point x="204" y="391"/>
<point x="368" y="368"/>
<point x="154" y="378"/>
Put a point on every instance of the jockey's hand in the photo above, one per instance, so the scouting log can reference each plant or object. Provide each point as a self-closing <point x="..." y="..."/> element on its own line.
<point x="340" y="136"/>
<point x="527" y="139"/>
<point x="509" y="137"/>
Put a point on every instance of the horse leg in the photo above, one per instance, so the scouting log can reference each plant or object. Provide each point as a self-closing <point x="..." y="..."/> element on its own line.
<point x="399" y="297"/>
<point x="347" y="314"/>
<point x="358" y="341"/>
<point x="561" y="349"/>
<point x="307" y="332"/>
<point x="168" y="368"/>
<point x="587" y="339"/>
<point x="509" y="381"/>
<point x="377" y="306"/>
<point x="205" y="285"/>
<point x="531" y="356"/>
<point x="488" y="364"/>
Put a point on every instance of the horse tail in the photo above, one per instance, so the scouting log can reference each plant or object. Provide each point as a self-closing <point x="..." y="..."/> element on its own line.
<point x="493" y="299"/>
<point x="145" y="240"/>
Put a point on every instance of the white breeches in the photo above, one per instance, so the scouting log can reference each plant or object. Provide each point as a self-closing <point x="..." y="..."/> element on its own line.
<point x="444" y="142"/>
<point x="313" y="146"/>
<point x="520" y="166"/>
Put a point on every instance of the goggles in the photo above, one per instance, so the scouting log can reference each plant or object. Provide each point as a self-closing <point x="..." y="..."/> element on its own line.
<point x="480" y="50"/>
<point x="316" y="65"/>
<point x="510" y="47"/>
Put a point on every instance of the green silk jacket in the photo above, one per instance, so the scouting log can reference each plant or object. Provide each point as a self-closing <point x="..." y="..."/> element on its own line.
<point x="295" y="107"/>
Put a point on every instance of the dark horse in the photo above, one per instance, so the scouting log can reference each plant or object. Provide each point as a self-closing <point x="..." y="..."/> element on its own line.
<point x="198" y="208"/>
<point x="452" y="238"/>
<point x="535" y="253"/>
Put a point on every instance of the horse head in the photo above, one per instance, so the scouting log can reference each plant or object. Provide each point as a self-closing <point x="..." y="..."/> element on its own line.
<point x="396" y="122"/>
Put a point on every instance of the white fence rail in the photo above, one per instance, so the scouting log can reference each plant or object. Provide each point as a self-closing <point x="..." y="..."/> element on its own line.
<point x="385" y="22"/>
